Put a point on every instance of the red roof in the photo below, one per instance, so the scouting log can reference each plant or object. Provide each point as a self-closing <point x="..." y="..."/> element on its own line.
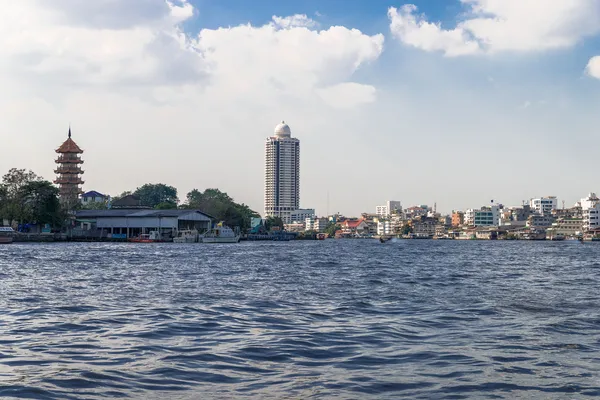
<point x="69" y="146"/>
<point x="352" y="224"/>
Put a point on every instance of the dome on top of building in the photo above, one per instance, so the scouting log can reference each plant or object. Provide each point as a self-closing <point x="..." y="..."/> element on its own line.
<point x="283" y="130"/>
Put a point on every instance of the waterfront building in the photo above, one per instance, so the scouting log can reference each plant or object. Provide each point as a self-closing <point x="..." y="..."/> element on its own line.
<point x="296" y="227"/>
<point x="591" y="218"/>
<point x="424" y="226"/>
<point x="384" y="227"/>
<point x="300" y="215"/>
<point x="588" y="202"/>
<point x="282" y="174"/>
<point x="93" y="197"/>
<point x="129" y="223"/>
<point x="568" y="226"/>
<point x="573" y="212"/>
<point x="320" y="224"/>
<point x="390" y="207"/>
<point x="590" y="210"/>
<point x="540" y="220"/>
<point x="416" y="211"/>
<point x="458" y="218"/>
<point x="543" y="205"/>
<point x="68" y="172"/>
<point x="485" y="216"/>
<point x="355" y="227"/>
<point x="469" y="217"/>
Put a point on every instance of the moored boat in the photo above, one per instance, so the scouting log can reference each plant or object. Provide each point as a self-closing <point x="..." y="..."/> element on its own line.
<point x="6" y="234"/>
<point x="152" y="237"/>
<point x="186" y="236"/>
<point x="221" y="234"/>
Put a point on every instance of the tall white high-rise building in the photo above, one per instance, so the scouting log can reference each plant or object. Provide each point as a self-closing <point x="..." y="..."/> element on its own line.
<point x="282" y="174"/>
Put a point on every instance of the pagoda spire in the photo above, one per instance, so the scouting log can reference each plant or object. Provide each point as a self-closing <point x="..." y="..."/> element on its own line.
<point x="69" y="130"/>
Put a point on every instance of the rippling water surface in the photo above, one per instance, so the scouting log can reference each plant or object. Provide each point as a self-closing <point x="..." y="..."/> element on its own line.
<point x="332" y="319"/>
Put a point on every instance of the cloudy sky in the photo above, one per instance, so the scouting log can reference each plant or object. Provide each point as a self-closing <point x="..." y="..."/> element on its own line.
<point x="456" y="102"/>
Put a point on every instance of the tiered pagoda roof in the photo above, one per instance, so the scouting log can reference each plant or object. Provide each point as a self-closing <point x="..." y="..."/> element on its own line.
<point x="68" y="172"/>
<point x="69" y="146"/>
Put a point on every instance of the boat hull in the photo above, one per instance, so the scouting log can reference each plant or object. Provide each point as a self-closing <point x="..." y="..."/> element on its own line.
<point x="6" y="239"/>
<point x="221" y="239"/>
<point x="184" y="240"/>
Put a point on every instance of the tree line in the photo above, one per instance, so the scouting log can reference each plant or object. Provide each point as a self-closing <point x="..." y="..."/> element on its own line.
<point x="27" y="198"/>
<point x="212" y="201"/>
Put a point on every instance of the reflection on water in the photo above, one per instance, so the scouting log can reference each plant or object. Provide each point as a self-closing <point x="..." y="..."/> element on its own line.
<point x="327" y="319"/>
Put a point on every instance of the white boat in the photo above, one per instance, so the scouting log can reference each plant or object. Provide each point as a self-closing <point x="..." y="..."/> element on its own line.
<point x="220" y="234"/>
<point x="6" y="234"/>
<point x="186" y="236"/>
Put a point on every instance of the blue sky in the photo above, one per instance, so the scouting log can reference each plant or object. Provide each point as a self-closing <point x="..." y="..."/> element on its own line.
<point x="454" y="103"/>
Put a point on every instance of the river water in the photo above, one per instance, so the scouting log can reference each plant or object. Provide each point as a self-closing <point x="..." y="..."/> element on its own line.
<point x="329" y="319"/>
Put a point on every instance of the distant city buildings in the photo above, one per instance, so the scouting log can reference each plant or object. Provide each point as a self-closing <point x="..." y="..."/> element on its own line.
<point x="590" y="207"/>
<point x="390" y="207"/>
<point x="543" y="205"/>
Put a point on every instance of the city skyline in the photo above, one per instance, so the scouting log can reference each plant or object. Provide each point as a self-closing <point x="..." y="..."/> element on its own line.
<point x="425" y="104"/>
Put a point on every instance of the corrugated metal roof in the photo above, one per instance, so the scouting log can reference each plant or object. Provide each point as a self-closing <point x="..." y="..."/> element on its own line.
<point x="133" y="213"/>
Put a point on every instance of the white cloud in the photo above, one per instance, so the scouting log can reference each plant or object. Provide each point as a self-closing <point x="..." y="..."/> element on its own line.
<point x="416" y="32"/>
<point x="146" y="98"/>
<point x="494" y="26"/>
<point x="347" y="95"/>
<point x="593" y="67"/>
<point x="298" y="20"/>
<point x="252" y="61"/>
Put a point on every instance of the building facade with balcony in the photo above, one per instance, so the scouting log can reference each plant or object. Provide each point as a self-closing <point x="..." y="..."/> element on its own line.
<point x="282" y="174"/>
<point x="543" y="205"/>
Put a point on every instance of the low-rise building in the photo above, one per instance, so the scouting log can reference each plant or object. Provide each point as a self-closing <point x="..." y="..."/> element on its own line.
<point x="93" y="197"/>
<point x="295" y="227"/>
<point x="543" y="205"/>
<point x="355" y="227"/>
<point x="568" y="226"/>
<point x="539" y="220"/>
<point x="416" y="211"/>
<point x="458" y="218"/>
<point x="485" y="216"/>
<point x="384" y="227"/>
<point x="301" y="214"/>
<point x="316" y="224"/>
<point x="129" y="223"/>
<point x="390" y="207"/>
<point x="424" y="226"/>
<point x="591" y="217"/>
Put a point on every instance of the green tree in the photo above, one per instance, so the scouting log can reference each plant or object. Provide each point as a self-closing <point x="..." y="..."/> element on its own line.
<point x="26" y="198"/>
<point x="152" y="195"/>
<point x="406" y="229"/>
<point x="166" y="206"/>
<point x="95" y="205"/>
<point x="41" y="202"/>
<point x="13" y="182"/>
<point x="272" y="222"/>
<point x="124" y="194"/>
<point x="221" y="206"/>
<point x="332" y="228"/>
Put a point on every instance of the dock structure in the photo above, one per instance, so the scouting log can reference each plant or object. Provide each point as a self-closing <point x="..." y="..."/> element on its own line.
<point x="129" y="223"/>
